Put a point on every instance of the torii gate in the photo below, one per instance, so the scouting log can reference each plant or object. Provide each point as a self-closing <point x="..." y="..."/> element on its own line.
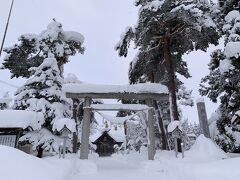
<point x="147" y="92"/>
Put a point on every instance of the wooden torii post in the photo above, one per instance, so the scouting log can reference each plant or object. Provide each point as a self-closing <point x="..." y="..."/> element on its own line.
<point x="76" y="91"/>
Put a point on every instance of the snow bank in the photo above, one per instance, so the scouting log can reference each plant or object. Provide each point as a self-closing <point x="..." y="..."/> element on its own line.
<point x="98" y="88"/>
<point x="205" y="149"/>
<point x="17" y="165"/>
<point x="60" y="123"/>
<point x="21" y="119"/>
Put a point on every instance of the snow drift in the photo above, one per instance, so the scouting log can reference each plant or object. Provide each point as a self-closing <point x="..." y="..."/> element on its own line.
<point x="205" y="149"/>
<point x="21" y="166"/>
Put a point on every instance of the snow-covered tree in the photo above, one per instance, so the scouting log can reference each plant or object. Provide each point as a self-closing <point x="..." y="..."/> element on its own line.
<point x="136" y="135"/>
<point x="43" y="93"/>
<point x="223" y="81"/>
<point x="165" y="31"/>
<point x="32" y="49"/>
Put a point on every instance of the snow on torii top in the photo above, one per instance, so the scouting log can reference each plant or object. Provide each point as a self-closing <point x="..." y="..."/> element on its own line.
<point x="73" y="85"/>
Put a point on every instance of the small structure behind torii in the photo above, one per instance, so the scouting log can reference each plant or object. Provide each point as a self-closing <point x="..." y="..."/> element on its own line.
<point x="144" y="91"/>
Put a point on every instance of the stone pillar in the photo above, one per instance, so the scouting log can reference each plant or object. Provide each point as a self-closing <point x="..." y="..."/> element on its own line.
<point x="151" y="134"/>
<point x="202" y="115"/>
<point x="85" y="129"/>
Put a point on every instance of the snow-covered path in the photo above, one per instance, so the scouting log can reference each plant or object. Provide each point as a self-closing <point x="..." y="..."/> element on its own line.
<point x="125" y="167"/>
<point x="205" y="161"/>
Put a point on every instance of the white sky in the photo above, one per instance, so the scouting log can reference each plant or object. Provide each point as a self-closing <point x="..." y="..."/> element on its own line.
<point x="101" y="22"/>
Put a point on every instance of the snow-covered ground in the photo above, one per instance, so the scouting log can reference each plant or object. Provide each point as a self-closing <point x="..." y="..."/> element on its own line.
<point x="204" y="161"/>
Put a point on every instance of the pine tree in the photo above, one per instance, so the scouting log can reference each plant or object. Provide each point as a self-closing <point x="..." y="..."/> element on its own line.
<point x="43" y="93"/>
<point x="223" y="79"/>
<point x="34" y="48"/>
<point x="166" y="30"/>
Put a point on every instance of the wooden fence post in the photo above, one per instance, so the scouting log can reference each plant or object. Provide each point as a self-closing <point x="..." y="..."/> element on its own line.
<point x="85" y="129"/>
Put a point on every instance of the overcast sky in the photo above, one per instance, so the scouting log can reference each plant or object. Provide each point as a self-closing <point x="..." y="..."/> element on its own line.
<point x="101" y="23"/>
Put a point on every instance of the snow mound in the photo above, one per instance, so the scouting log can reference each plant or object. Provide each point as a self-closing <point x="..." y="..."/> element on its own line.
<point x="21" y="166"/>
<point x="205" y="149"/>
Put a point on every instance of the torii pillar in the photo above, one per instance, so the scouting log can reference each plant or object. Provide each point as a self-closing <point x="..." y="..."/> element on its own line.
<point x="85" y="128"/>
<point x="151" y="134"/>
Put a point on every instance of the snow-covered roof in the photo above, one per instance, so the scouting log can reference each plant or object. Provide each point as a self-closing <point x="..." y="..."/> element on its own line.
<point x="173" y="125"/>
<point x="118" y="135"/>
<point x="133" y="107"/>
<point x="100" y="88"/>
<point x="21" y="119"/>
<point x="60" y="123"/>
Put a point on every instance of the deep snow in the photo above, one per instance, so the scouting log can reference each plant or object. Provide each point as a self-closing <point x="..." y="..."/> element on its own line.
<point x="200" y="163"/>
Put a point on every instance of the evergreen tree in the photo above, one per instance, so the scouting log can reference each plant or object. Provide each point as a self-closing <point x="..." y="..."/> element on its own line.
<point x="43" y="93"/>
<point x="223" y="79"/>
<point x="166" y="30"/>
<point x="34" y="48"/>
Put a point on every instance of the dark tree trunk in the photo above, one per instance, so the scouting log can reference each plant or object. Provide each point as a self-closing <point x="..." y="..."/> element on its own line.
<point x="160" y="120"/>
<point x="171" y="79"/>
<point x="75" y="136"/>
<point x="171" y="84"/>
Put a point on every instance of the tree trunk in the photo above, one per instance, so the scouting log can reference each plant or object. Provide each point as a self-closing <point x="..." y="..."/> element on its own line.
<point x="171" y="79"/>
<point x="160" y="122"/>
<point x="171" y="84"/>
<point x="75" y="135"/>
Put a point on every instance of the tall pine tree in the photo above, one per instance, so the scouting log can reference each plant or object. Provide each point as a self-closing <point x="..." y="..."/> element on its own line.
<point x="166" y="30"/>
